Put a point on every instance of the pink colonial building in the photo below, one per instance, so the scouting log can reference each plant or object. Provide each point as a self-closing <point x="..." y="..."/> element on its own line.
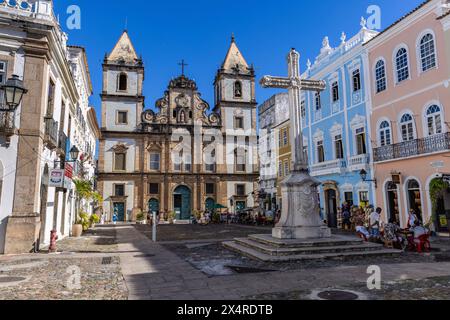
<point x="410" y="115"/>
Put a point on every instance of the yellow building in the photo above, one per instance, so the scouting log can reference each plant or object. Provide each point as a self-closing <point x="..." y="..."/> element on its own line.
<point x="284" y="157"/>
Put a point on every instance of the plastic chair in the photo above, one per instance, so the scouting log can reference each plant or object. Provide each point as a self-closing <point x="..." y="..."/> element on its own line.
<point x="424" y="244"/>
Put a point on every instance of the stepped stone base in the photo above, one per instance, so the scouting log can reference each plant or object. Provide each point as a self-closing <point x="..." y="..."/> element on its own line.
<point x="269" y="249"/>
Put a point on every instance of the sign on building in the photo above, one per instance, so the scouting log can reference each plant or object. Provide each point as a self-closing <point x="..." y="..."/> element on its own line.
<point x="56" y="178"/>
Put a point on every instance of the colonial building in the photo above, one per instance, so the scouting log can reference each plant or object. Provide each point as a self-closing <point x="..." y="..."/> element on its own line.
<point x="274" y="147"/>
<point x="336" y="125"/>
<point x="35" y="139"/>
<point x="410" y="73"/>
<point x="183" y="156"/>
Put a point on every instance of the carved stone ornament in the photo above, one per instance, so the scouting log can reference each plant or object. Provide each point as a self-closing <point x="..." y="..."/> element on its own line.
<point x="120" y="147"/>
<point x="182" y="100"/>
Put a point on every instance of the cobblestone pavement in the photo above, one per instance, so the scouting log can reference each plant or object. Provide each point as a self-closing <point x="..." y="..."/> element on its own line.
<point x="50" y="276"/>
<point x="213" y="232"/>
<point x="121" y="262"/>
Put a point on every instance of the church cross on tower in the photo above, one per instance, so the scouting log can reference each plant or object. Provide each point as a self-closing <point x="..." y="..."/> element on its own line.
<point x="182" y="64"/>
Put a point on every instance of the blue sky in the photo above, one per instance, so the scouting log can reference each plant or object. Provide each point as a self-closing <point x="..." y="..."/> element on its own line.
<point x="164" y="32"/>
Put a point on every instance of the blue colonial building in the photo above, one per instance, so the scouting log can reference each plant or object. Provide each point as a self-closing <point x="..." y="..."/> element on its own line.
<point x="336" y="127"/>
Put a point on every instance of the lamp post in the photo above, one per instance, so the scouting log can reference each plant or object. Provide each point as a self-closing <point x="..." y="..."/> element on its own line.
<point x="14" y="91"/>
<point x="363" y="175"/>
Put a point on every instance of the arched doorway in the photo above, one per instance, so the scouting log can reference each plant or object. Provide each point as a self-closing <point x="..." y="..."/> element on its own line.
<point x="210" y="204"/>
<point x="331" y="203"/>
<point x="43" y="208"/>
<point x="414" y="198"/>
<point x="393" y="210"/>
<point x="153" y="206"/>
<point x="182" y="203"/>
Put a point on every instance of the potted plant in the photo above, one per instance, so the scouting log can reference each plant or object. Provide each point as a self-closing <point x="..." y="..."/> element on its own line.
<point x="93" y="220"/>
<point x="140" y="218"/>
<point x="77" y="229"/>
<point x="171" y="217"/>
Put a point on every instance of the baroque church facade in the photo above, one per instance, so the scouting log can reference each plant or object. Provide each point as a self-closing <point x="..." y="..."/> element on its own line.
<point x="184" y="156"/>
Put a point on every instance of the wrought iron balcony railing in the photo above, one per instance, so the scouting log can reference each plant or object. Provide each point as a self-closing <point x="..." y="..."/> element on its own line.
<point x="432" y="144"/>
<point x="51" y="132"/>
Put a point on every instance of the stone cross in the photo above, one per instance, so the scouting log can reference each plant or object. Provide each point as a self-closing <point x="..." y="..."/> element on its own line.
<point x="183" y="65"/>
<point x="295" y="85"/>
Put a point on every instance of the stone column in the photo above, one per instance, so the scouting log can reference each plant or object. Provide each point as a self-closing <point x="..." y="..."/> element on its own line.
<point x="22" y="231"/>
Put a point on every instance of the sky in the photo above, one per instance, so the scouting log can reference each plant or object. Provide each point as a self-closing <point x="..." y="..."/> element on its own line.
<point x="199" y="31"/>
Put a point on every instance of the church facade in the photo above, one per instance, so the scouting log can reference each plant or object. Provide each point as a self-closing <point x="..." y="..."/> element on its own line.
<point x="184" y="156"/>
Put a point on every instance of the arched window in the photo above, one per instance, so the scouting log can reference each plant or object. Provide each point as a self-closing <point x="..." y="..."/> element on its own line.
<point x="380" y="76"/>
<point x="401" y="62"/>
<point x="385" y="134"/>
<point x="238" y="89"/>
<point x="427" y="52"/>
<point x="123" y="82"/>
<point x="407" y="127"/>
<point x="434" y="120"/>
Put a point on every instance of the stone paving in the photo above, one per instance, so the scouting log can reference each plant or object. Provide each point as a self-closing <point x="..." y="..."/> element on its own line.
<point x="189" y="269"/>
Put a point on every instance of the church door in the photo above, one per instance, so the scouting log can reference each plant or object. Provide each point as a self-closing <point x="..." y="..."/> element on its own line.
<point x="153" y="206"/>
<point x="331" y="199"/>
<point x="119" y="210"/>
<point x="182" y="203"/>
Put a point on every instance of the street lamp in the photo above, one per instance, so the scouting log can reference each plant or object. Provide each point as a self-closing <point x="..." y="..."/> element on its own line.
<point x="363" y="175"/>
<point x="74" y="153"/>
<point x="14" y="91"/>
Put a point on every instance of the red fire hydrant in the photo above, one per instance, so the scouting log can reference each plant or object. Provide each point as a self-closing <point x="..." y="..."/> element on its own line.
<point x="53" y="238"/>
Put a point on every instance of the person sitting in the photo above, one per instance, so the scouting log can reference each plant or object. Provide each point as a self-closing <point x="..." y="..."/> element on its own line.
<point x="419" y="233"/>
<point x="391" y="233"/>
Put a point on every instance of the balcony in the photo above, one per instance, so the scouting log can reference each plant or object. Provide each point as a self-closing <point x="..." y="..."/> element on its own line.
<point x="330" y="167"/>
<point x="436" y="143"/>
<point x="359" y="162"/>
<point x="7" y="128"/>
<point x="62" y="144"/>
<point x="51" y="132"/>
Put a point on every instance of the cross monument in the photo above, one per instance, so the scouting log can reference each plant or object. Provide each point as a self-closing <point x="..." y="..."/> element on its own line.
<point x="300" y="217"/>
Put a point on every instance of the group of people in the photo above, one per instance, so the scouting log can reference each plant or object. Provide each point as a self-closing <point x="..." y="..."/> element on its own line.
<point x="369" y="225"/>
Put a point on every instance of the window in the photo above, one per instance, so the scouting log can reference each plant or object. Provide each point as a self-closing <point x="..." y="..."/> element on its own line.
<point x="385" y="134"/>
<point x="211" y="167"/>
<point x="318" y="101"/>
<point x="280" y="138"/>
<point x="339" y="148"/>
<point x="2" y="80"/>
<point x="122" y="117"/>
<point x="238" y="122"/>
<point x="238" y="89"/>
<point x="240" y="190"/>
<point x="123" y="82"/>
<point x="239" y="157"/>
<point x="356" y="80"/>
<point x="210" y="188"/>
<point x="286" y="168"/>
<point x="280" y="169"/>
<point x="285" y="137"/>
<point x="434" y="120"/>
<point x="320" y="152"/>
<point x="335" y="91"/>
<point x="50" y="98"/>
<point x="155" y="161"/>
<point x="2" y="72"/>
<point x="153" y="188"/>
<point x="407" y="127"/>
<point x="361" y="141"/>
<point x="427" y="52"/>
<point x="349" y="198"/>
<point x="364" y="196"/>
<point x="401" y="61"/>
<point x="119" y="190"/>
<point x="380" y="76"/>
<point x="120" y="161"/>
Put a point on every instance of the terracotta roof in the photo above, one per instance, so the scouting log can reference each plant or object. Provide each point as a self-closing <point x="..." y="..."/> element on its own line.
<point x="400" y="20"/>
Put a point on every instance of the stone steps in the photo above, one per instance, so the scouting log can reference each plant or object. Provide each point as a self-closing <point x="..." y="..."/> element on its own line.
<point x="335" y="241"/>
<point x="254" y="253"/>
<point x="306" y="250"/>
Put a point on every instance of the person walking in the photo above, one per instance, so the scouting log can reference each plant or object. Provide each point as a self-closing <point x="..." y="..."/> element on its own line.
<point x="374" y="222"/>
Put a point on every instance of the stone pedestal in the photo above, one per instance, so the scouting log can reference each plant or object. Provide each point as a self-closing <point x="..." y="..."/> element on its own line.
<point x="22" y="234"/>
<point x="300" y="218"/>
